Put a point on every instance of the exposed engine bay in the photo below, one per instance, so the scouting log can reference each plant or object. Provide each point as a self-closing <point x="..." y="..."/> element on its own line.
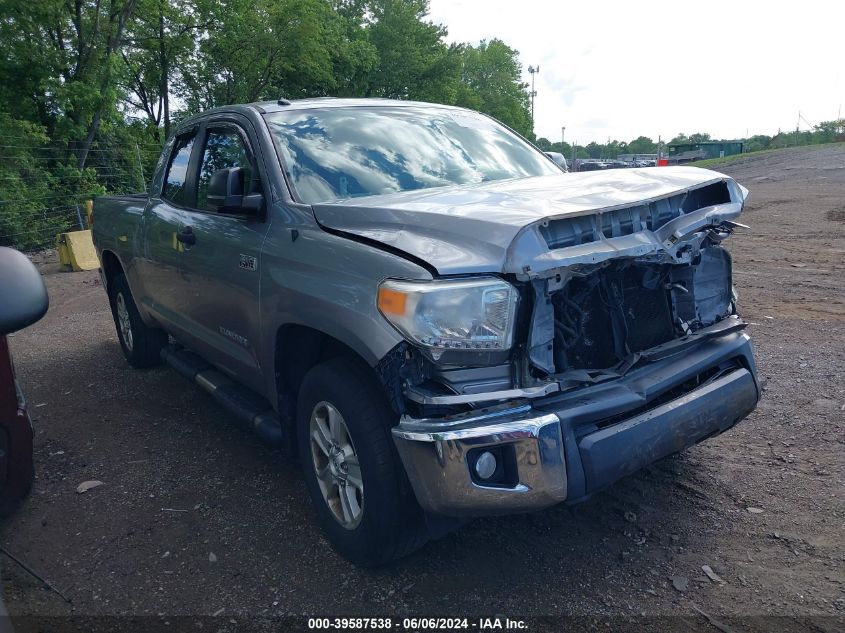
<point x="625" y="307"/>
<point x="636" y="283"/>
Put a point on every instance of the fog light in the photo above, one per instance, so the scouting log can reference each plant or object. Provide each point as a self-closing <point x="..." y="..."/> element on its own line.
<point x="485" y="465"/>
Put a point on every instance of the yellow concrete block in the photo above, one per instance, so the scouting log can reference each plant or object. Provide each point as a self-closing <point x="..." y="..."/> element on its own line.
<point x="64" y="256"/>
<point x="76" y="249"/>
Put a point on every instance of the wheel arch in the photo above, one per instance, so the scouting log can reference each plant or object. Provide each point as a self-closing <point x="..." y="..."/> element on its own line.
<point x="111" y="266"/>
<point x="299" y="348"/>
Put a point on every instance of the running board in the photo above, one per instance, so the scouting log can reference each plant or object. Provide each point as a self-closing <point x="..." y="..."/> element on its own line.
<point x="253" y="411"/>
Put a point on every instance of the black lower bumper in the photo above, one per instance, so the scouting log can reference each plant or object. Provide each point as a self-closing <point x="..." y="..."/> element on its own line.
<point x="613" y="430"/>
<point x="568" y="446"/>
<point x="612" y="453"/>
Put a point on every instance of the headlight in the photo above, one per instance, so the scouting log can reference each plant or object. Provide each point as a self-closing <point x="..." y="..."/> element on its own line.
<point x="467" y="314"/>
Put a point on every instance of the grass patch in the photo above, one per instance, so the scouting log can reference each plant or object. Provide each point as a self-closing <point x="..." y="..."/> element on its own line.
<point x="726" y="160"/>
<point x="715" y="162"/>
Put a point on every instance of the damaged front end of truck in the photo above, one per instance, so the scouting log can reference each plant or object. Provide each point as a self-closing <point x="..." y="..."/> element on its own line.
<point x="600" y="292"/>
<point x="627" y="347"/>
<point x="633" y="284"/>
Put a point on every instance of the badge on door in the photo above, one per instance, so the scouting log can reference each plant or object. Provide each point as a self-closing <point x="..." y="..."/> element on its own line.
<point x="248" y="262"/>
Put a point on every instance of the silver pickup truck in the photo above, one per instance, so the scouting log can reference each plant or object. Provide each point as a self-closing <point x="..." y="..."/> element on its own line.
<point x="427" y="310"/>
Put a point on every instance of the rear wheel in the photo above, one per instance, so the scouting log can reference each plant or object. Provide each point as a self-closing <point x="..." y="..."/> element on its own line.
<point x="141" y="344"/>
<point x="354" y="476"/>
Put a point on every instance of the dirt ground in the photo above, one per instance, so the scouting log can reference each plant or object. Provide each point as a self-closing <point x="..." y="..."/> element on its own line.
<point x="196" y="517"/>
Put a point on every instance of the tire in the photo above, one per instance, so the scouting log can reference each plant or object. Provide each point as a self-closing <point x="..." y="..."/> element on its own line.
<point x="141" y="344"/>
<point x="389" y="524"/>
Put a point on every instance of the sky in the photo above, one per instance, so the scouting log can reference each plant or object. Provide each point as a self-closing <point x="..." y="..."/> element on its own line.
<point x="654" y="68"/>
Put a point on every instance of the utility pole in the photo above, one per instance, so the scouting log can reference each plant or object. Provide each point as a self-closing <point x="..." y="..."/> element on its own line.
<point x="533" y="71"/>
<point x="562" y="134"/>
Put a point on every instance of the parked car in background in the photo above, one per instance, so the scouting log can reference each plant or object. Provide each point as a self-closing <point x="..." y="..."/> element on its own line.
<point x="439" y="320"/>
<point x="23" y="301"/>
<point x="591" y="165"/>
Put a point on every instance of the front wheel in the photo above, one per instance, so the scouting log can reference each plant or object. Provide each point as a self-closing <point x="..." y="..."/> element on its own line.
<point x="354" y="476"/>
<point x="141" y="344"/>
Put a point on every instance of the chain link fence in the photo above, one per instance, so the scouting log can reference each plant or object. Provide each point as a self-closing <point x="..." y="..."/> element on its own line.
<point x="43" y="192"/>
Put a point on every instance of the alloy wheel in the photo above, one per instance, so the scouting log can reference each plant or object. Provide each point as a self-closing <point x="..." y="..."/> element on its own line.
<point x="123" y="321"/>
<point x="336" y="465"/>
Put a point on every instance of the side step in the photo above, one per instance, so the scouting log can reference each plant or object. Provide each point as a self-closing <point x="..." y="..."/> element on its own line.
<point x="253" y="411"/>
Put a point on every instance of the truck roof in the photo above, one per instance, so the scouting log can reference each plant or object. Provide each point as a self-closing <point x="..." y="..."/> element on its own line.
<point x="337" y="102"/>
<point x="314" y="102"/>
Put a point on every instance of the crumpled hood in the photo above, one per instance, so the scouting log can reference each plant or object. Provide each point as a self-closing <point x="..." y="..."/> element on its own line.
<point x="469" y="228"/>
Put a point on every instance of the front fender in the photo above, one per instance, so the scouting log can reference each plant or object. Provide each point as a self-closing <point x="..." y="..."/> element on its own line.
<point x="328" y="283"/>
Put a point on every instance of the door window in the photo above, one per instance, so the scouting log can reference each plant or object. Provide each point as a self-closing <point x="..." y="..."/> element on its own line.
<point x="177" y="170"/>
<point x="224" y="149"/>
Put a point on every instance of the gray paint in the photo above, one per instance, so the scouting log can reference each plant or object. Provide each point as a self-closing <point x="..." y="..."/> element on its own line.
<point x="308" y="276"/>
<point x="494" y="227"/>
<point x="318" y="280"/>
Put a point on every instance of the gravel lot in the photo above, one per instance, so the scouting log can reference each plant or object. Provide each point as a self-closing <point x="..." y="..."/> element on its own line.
<point x="196" y="517"/>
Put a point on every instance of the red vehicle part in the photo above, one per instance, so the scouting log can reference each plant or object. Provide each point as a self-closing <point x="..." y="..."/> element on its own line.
<point x="16" y="468"/>
<point x="23" y="300"/>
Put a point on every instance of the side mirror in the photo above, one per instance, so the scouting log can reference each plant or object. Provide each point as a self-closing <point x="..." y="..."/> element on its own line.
<point x="23" y="297"/>
<point x="226" y="193"/>
<point x="558" y="159"/>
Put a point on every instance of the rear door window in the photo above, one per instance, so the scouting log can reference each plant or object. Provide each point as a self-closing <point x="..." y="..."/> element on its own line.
<point x="177" y="171"/>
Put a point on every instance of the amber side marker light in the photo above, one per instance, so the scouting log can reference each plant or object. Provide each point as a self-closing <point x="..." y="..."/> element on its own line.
<point x="391" y="301"/>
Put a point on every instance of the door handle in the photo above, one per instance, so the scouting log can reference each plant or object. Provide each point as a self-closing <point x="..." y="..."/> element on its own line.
<point x="186" y="236"/>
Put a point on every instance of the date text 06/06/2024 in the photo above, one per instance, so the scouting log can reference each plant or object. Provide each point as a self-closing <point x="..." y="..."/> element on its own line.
<point x="417" y="624"/>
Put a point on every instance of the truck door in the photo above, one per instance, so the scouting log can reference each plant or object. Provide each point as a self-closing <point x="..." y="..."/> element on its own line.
<point x="220" y="282"/>
<point x="160" y="265"/>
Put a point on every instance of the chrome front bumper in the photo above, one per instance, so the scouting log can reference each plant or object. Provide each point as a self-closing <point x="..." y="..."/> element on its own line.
<point x="568" y="446"/>
<point x="435" y="457"/>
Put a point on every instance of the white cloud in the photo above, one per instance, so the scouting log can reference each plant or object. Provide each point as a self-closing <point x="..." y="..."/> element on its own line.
<point x="621" y="69"/>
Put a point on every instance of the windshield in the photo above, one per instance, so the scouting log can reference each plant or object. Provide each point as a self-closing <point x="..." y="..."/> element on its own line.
<point x="336" y="153"/>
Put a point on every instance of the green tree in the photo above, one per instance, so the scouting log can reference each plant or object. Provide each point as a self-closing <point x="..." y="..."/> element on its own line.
<point x="490" y="82"/>
<point x="756" y="143"/>
<point x="413" y="61"/>
<point x="642" y="145"/>
<point x="547" y="146"/>
<point x="828" y="131"/>
<point x="594" y="150"/>
<point x="90" y="86"/>
<point x="614" y="148"/>
<point x="698" y="137"/>
<point x="158" y="40"/>
<point x="263" y="49"/>
<point x="60" y="58"/>
<point x="354" y="56"/>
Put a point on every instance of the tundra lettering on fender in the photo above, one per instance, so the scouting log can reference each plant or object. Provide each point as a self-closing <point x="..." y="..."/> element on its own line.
<point x="431" y="313"/>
